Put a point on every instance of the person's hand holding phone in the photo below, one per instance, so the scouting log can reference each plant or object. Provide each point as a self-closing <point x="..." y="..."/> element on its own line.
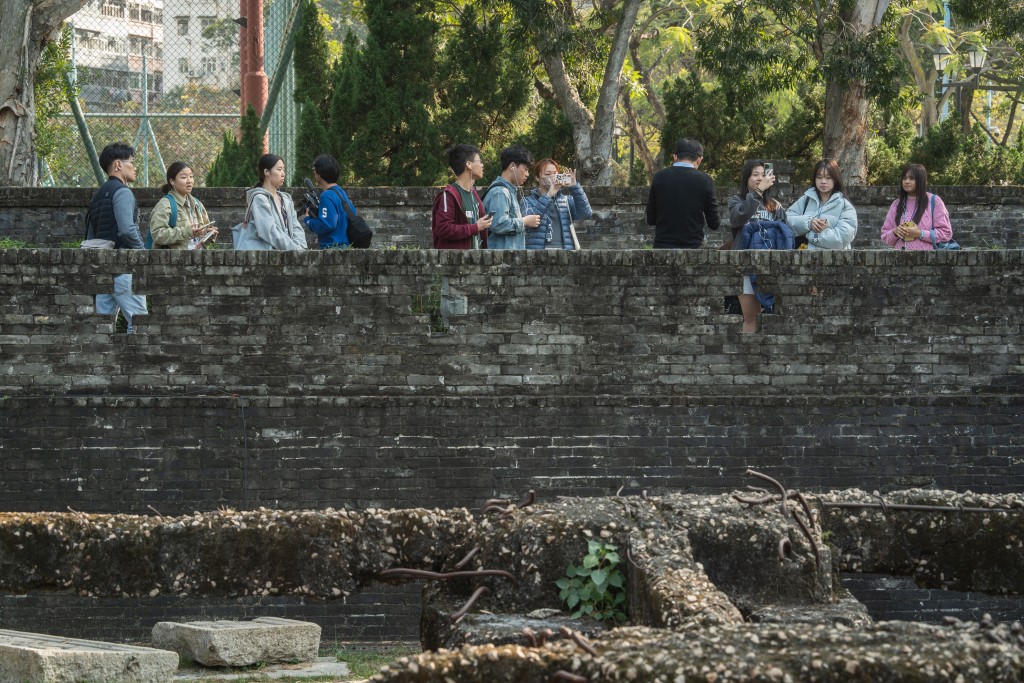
<point x="485" y="222"/>
<point x="819" y="224"/>
<point x="766" y="182"/>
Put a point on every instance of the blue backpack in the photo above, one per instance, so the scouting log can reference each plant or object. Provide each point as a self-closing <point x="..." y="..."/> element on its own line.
<point x="173" y="220"/>
<point x="766" y="235"/>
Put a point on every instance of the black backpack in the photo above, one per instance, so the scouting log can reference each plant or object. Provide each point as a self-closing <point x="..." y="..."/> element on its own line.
<point x="359" y="233"/>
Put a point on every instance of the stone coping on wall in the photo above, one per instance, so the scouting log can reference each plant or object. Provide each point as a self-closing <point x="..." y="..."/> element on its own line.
<point x="39" y="197"/>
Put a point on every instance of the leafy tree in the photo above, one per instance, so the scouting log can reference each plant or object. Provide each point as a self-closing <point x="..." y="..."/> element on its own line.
<point x="25" y="26"/>
<point x="391" y="137"/>
<point x="313" y="86"/>
<point x="482" y="83"/>
<point x="573" y="47"/>
<point x="849" y="45"/>
<point x="53" y="137"/>
<point x="728" y="137"/>
<point x="235" y="166"/>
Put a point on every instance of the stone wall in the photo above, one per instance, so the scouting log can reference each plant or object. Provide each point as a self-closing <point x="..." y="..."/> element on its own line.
<point x="983" y="217"/>
<point x="329" y="379"/>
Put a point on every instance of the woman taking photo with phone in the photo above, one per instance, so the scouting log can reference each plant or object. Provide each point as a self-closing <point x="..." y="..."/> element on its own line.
<point x="182" y="224"/>
<point x="752" y="202"/>
<point x="823" y="214"/>
<point x="918" y="219"/>
<point x="558" y="199"/>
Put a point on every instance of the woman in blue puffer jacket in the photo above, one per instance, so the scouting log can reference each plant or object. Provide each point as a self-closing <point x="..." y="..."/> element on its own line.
<point x="559" y="200"/>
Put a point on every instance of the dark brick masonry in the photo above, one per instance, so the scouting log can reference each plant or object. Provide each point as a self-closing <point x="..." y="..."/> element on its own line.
<point x="982" y="217"/>
<point x="314" y="380"/>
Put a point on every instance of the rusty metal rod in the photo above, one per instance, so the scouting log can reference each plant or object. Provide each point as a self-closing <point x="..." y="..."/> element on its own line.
<point x="566" y="677"/>
<point x="577" y="638"/>
<point x="810" y="538"/>
<point x="782" y="489"/>
<point x="914" y="507"/>
<point x="785" y="547"/>
<point x="469" y="556"/>
<point x="456" y="617"/>
<point x="399" y="573"/>
<point x="529" y="636"/>
<point x="531" y="498"/>
<point x="497" y="501"/>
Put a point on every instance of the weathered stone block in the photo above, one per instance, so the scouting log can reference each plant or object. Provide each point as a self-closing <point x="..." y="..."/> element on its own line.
<point x="240" y="643"/>
<point x="40" y="658"/>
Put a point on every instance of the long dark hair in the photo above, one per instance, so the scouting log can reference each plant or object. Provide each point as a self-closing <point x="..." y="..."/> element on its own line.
<point x="766" y="197"/>
<point x="266" y="163"/>
<point x="172" y="172"/>
<point x="830" y="167"/>
<point x="920" y="175"/>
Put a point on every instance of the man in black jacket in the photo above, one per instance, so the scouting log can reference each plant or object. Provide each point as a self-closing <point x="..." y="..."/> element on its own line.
<point x="682" y="199"/>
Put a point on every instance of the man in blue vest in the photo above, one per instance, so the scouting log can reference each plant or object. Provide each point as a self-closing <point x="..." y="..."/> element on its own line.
<point x="114" y="215"/>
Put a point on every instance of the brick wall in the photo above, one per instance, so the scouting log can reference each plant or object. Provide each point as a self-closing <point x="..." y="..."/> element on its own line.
<point x="983" y="217"/>
<point x="322" y="379"/>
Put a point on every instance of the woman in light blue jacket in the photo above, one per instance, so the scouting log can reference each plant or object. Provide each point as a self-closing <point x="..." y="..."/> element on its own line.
<point x="823" y="214"/>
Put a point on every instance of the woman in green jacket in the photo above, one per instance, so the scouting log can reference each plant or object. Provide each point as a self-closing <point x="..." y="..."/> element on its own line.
<point x="190" y="218"/>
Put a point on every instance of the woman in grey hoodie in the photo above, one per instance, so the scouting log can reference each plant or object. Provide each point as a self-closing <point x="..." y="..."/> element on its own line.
<point x="272" y="211"/>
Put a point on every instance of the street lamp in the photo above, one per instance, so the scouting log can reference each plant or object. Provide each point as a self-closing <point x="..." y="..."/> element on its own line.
<point x="976" y="58"/>
<point x="941" y="56"/>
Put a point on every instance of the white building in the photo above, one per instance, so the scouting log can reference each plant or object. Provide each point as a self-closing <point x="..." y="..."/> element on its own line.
<point x="110" y="39"/>
<point x="191" y="58"/>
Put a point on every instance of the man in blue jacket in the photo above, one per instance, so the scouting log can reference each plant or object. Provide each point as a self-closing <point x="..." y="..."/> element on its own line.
<point x="508" y="231"/>
<point x="330" y="222"/>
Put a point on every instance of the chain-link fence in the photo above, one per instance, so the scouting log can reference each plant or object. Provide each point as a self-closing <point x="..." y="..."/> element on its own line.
<point x="163" y="75"/>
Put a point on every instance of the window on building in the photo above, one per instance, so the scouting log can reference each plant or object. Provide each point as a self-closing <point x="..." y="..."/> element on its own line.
<point x="182" y="25"/>
<point x="183" y="66"/>
<point x="134" y="12"/>
<point x="209" y="66"/>
<point x="206" y="22"/>
<point x="147" y="16"/>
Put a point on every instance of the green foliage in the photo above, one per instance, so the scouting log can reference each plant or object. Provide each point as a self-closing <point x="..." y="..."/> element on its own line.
<point x="482" y="83"/>
<point x="11" y="243"/>
<point x="550" y="135"/>
<point x="235" y="166"/>
<point x="311" y="141"/>
<point x="728" y="136"/>
<point x="889" y="146"/>
<point x="953" y="158"/>
<point x="596" y="588"/>
<point x="313" y="55"/>
<point x="364" y="665"/>
<point x="53" y="138"/>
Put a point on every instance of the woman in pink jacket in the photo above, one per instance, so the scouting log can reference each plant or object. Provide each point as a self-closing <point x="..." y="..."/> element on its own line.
<point x="918" y="219"/>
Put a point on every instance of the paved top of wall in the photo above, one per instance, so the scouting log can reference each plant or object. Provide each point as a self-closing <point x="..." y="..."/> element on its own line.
<point x="217" y="197"/>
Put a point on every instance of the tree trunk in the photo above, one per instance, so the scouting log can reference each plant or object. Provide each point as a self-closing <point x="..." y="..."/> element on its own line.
<point x="593" y="133"/>
<point x="846" y="129"/>
<point x="846" y="104"/>
<point x="26" y="26"/>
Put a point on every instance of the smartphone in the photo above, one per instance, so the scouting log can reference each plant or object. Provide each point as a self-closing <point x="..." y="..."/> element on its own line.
<point x="563" y="178"/>
<point x="769" y="169"/>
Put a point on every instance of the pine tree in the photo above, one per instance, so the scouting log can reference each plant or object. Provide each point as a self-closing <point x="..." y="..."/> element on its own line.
<point x="396" y="141"/>
<point x="312" y="88"/>
<point x="235" y="166"/>
<point x="312" y="140"/>
<point x="484" y="83"/>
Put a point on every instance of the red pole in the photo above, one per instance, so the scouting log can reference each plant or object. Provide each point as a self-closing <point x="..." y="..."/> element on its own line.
<point x="256" y="84"/>
<point x="243" y="55"/>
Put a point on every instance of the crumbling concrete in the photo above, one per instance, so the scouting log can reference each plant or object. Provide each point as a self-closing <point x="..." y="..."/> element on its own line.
<point x="887" y="652"/>
<point x="978" y="550"/>
<point x="240" y="643"/>
<point x="699" y="566"/>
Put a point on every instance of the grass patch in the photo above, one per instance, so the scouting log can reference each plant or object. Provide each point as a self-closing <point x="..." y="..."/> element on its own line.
<point x="11" y="243"/>
<point x="365" y="664"/>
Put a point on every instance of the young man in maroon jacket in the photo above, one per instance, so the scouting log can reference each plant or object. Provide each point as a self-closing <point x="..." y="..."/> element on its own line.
<point x="458" y="220"/>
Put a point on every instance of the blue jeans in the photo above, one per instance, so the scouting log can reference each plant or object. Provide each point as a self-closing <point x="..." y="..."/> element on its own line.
<point x="130" y="304"/>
